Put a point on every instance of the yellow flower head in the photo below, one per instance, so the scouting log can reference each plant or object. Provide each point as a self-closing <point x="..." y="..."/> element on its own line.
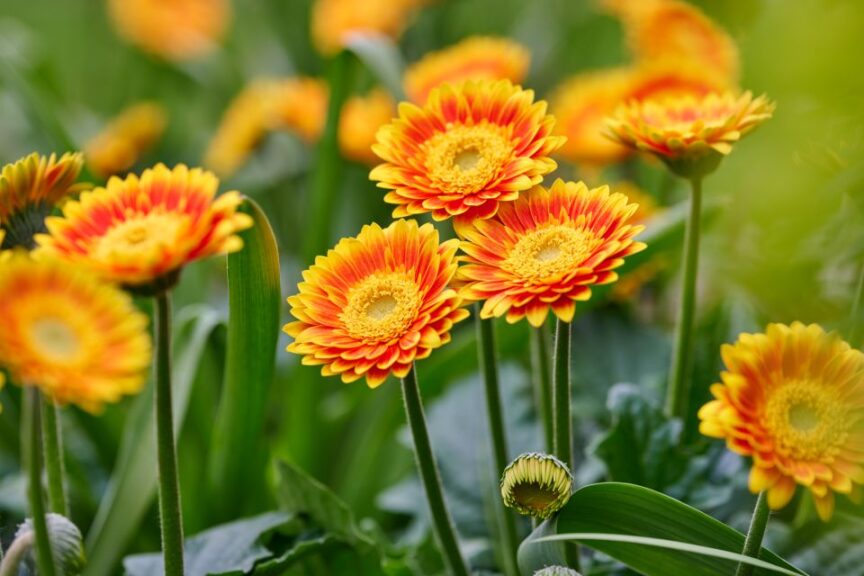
<point x="678" y="33"/>
<point x="334" y="21"/>
<point x="536" y="484"/>
<point x="690" y="134"/>
<point x="470" y="148"/>
<point x="475" y="58"/>
<point x="294" y="104"/>
<point x="545" y="250"/>
<point x="125" y="139"/>
<point x="360" y="120"/>
<point x="80" y="340"/>
<point x="29" y="190"/>
<point x="793" y="399"/>
<point x="376" y="303"/>
<point x="141" y="231"/>
<point x="176" y="29"/>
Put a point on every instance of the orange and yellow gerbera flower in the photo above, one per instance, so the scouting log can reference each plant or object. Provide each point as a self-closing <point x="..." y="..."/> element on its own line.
<point x="475" y="58"/>
<point x="629" y="284"/>
<point x="360" y="120"/>
<point x="141" y="231"/>
<point x="470" y="148"/>
<point x="686" y="132"/>
<point x="122" y="142"/>
<point x="545" y="250"/>
<point x="793" y="400"/>
<point x="29" y="190"/>
<point x="301" y="107"/>
<point x="334" y="21"/>
<point x="80" y="340"/>
<point x="176" y="30"/>
<point x="376" y="303"/>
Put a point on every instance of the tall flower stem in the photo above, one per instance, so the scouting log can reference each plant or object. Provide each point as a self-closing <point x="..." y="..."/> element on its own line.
<point x="678" y="390"/>
<point x="33" y="450"/>
<point x="53" y="439"/>
<point x="169" y="485"/>
<point x="561" y="376"/>
<point x="753" y="543"/>
<point x="430" y="476"/>
<point x="489" y="368"/>
<point x="542" y="375"/>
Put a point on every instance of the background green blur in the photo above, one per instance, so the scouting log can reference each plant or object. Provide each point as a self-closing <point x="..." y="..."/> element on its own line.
<point x="785" y="240"/>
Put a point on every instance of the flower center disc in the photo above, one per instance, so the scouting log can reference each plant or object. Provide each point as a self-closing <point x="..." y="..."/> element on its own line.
<point x="533" y="496"/>
<point x="55" y="339"/>
<point x="805" y="421"/>
<point x="381" y="307"/>
<point x="465" y="159"/>
<point x="550" y="252"/>
<point x="142" y="236"/>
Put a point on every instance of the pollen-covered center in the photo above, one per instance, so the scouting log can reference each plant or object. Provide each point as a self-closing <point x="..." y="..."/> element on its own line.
<point x="55" y="340"/>
<point x="381" y="307"/>
<point x="550" y="252"/>
<point x="534" y="496"/>
<point x="143" y="236"/>
<point x="805" y="421"/>
<point x="465" y="159"/>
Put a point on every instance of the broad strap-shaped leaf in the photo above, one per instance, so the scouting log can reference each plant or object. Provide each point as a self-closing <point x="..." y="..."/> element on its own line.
<point x="381" y="56"/>
<point x="132" y="486"/>
<point x="237" y="458"/>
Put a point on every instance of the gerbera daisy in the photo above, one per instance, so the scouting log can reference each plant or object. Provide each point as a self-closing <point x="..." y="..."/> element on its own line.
<point x="470" y="148"/>
<point x="536" y="484"/>
<point x="300" y="106"/>
<point x="360" y="120"/>
<point x="333" y="21"/>
<point x="80" y="340"/>
<point x="29" y="190"/>
<point x="176" y="30"/>
<point x="691" y="135"/>
<point x="376" y="303"/>
<point x="122" y="142"/>
<point x="475" y="58"/>
<point x="793" y="400"/>
<point x="545" y="250"/>
<point x="140" y="232"/>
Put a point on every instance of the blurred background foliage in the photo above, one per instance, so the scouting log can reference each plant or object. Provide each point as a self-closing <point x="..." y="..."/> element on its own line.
<point x="784" y="243"/>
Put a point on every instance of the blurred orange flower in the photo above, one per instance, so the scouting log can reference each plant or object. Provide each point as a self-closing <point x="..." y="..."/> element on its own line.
<point x="471" y="147"/>
<point x="686" y="132"/>
<point x="360" y="120"/>
<point x="376" y="303"/>
<point x="475" y="58"/>
<point x="301" y="107"/>
<point x="333" y="21"/>
<point x="78" y="339"/>
<point x="793" y="399"/>
<point x="122" y="142"/>
<point x="176" y="30"/>
<point x="140" y="232"/>
<point x="545" y="250"/>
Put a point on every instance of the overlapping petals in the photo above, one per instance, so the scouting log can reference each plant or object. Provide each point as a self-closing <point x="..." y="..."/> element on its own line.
<point x="376" y="303"/>
<point x="793" y="400"/>
<point x="475" y="58"/>
<point x="470" y="148"/>
<point x="80" y="340"/>
<point x="359" y="122"/>
<point x="37" y="180"/>
<point x="546" y="250"/>
<point x="138" y="230"/>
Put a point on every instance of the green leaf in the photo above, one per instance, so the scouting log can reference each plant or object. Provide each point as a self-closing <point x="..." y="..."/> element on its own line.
<point x="381" y="56"/>
<point x="238" y="461"/>
<point x="299" y="493"/>
<point x="227" y="549"/>
<point x="132" y="486"/>
<point x="300" y="550"/>
<point x="653" y="533"/>
<point x="831" y="549"/>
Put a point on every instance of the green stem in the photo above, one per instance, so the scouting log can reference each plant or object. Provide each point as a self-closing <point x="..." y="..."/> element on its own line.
<point x="857" y="304"/>
<point x="677" y="391"/>
<point x="563" y="421"/>
<point x="543" y="382"/>
<point x="169" y="484"/>
<point x="327" y="174"/>
<point x="53" y="438"/>
<point x="489" y="368"/>
<point x="753" y="543"/>
<point x="428" y="469"/>
<point x="33" y="449"/>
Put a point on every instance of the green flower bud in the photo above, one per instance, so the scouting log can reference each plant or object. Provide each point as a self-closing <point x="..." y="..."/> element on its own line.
<point x="536" y="484"/>
<point x="556" y="571"/>
<point x="66" y="544"/>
